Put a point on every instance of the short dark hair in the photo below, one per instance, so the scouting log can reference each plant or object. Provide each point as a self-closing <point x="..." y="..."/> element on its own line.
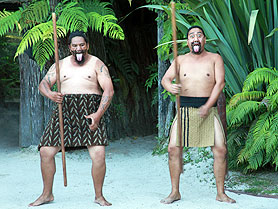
<point x="195" y="26"/>
<point x="77" y="33"/>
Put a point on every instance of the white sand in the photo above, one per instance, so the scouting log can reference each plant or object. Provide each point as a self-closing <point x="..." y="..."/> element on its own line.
<point x="134" y="180"/>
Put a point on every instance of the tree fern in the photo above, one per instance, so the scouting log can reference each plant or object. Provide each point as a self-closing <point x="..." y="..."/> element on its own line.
<point x="73" y="18"/>
<point x="246" y="96"/>
<point x="43" y="51"/>
<point x="34" y="14"/>
<point x="259" y="76"/>
<point x="106" y="25"/>
<point x="9" y="21"/>
<point x="36" y="34"/>
<point x="102" y="8"/>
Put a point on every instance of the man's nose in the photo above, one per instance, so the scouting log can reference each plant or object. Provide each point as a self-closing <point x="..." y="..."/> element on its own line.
<point x="78" y="47"/>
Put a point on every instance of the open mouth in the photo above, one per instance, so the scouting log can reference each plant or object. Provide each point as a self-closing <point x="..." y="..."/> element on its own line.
<point x="79" y="56"/>
<point x="196" y="46"/>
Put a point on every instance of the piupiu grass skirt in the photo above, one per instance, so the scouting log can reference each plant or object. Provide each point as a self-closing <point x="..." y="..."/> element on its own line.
<point x="76" y="127"/>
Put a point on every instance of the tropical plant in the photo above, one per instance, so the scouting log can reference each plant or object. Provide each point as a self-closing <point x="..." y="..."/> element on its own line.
<point x="242" y="31"/>
<point x="253" y="121"/>
<point x="34" y="20"/>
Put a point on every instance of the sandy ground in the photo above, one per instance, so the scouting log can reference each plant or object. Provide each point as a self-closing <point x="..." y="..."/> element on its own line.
<point x="135" y="179"/>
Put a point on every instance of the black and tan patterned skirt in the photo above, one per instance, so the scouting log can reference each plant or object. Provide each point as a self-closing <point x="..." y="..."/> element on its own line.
<point x="76" y="127"/>
<point x="197" y="131"/>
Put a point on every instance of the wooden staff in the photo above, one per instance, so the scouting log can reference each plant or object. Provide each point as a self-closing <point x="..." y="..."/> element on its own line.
<point x="61" y="122"/>
<point x="175" y="49"/>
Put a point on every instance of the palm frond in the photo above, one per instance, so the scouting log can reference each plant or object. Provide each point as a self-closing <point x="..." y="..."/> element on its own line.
<point x="73" y="18"/>
<point x="35" y="14"/>
<point x="244" y="113"/>
<point x="43" y="50"/>
<point x="38" y="33"/>
<point x="245" y="96"/>
<point x="106" y="25"/>
<point x="9" y="21"/>
<point x="259" y="76"/>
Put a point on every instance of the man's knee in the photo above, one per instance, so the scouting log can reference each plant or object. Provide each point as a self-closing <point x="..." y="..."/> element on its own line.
<point x="99" y="156"/>
<point x="47" y="153"/>
<point x="220" y="152"/>
<point x="173" y="151"/>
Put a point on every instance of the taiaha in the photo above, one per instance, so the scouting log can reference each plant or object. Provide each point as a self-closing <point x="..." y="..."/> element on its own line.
<point x="61" y="122"/>
<point x="177" y="78"/>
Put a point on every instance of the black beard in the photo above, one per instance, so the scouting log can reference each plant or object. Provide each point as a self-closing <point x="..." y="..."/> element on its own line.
<point x="200" y="50"/>
<point x="83" y="52"/>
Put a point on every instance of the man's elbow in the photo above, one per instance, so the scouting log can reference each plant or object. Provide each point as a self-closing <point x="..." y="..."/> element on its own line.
<point x="222" y="85"/>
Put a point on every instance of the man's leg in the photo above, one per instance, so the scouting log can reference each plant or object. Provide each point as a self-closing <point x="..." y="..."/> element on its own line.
<point x="97" y="154"/>
<point x="174" y="153"/>
<point x="219" y="152"/>
<point x="48" y="170"/>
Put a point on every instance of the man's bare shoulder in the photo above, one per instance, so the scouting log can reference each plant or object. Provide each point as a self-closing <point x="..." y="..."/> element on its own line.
<point x="214" y="56"/>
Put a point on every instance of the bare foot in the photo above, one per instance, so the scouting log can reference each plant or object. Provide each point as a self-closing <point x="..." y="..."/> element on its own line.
<point x="171" y="198"/>
<point x="224" y="198"/>
<point x="102" y="201"/>
<point x="42" y="200"/>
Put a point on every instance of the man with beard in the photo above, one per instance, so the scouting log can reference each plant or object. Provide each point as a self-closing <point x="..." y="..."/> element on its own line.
<point x="202" y="77"/>
<point x="86" y="92"/>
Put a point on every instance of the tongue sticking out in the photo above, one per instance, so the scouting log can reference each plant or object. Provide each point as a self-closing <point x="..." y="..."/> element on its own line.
<point x="196" y="48"/>
<point x="79" y="57"/>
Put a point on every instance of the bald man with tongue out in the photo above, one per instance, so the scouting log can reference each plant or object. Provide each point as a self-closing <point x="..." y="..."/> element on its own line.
<point x="201" y="76"/>
<point x="86" y="93"/>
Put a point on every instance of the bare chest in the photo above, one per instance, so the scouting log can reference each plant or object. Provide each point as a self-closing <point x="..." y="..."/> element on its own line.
<point x="77" y="74"/>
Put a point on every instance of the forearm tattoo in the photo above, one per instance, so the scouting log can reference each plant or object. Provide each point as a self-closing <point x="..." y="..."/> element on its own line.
<point x="105" y="101"/>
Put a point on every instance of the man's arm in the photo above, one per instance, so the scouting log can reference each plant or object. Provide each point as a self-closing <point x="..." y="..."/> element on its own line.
<point x="105" y="83"/>
<point x="167" y="79"/>
<point x="218" y="87"/>
<point x="47" y="82"/>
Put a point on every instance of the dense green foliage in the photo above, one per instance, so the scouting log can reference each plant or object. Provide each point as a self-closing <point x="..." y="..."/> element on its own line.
<point x="253" y="122"/>
<point x="9" y="70"/>
<point x="35" y="22"/>
<point x="229" y="25"/>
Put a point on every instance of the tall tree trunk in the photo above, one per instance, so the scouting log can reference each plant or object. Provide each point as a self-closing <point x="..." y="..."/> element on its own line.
<point x="165" y="106"/>
<point x="31" y="102"/>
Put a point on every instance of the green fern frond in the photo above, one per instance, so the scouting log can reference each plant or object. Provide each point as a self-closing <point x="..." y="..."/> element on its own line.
<point x="273" y="102"/>
<point x="246" y="96"/>
<point x="9" y="21"/>
<point x="262" y="125"/>
<point x="244" y="113"/>
<point x="43" y="51"/>
<point x="73" y="18"/>
<point x="255" y="161"/>
<point x="272" y="88"/>
<point x="36" y="34"/>
<point x="271" y="146"/>
<point x="105" y="24"/>
<point x="259" y="76"/>
<point x="242" y="157"/>
<point x="102" y="8"/>
<point x="275" y="161"/>
<point x="35" y="14"/>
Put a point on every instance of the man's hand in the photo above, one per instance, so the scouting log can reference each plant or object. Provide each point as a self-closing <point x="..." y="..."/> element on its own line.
<point x="95" y="121"/>
<point x="56" y="97"/>
<point x="175" y="88"/>
<point x="203" y="111"/>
